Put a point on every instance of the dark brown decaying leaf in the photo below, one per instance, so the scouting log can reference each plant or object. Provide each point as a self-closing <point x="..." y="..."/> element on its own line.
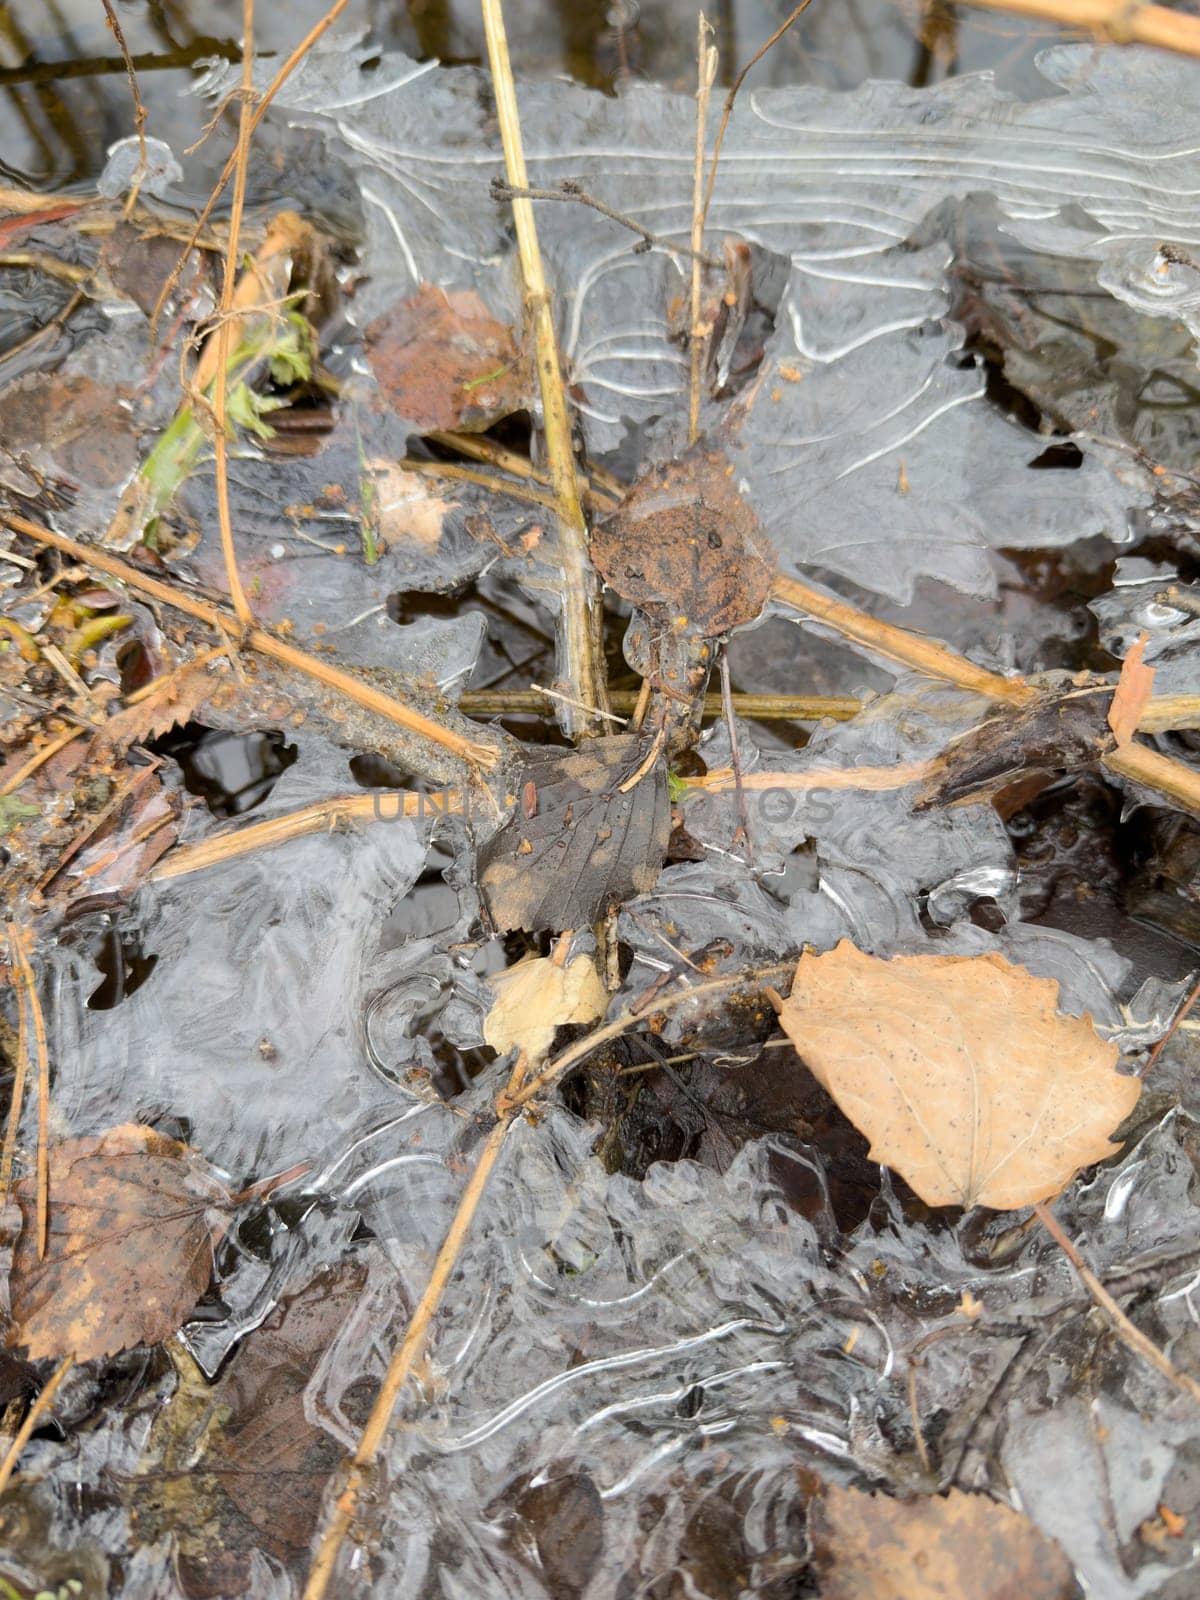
<point x="270" y="1459"/>
<point x="684" y="538"/>
<point x="443" y="361"/>
<point x="942" y="1547"/>
<point x="960" y="1071"/>
<point x="575" y="844"/>
<point x="1020" y="749"/>
<point x="134" y="1218"/>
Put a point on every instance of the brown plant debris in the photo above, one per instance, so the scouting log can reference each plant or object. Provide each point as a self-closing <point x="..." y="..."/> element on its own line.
<point x="1019" y="750"/>
<point x="134" y="1218"/>
<point x="942" y="1547"/>
<point x="574" y="843"/>
<point x="685" y="540"/>
<point x="960" y="1071"/>
<point x="443" y="361"/>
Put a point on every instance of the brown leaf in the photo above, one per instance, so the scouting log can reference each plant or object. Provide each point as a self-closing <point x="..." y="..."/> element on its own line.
<point x="270" y="1459"/>
<point x="443" y="361"/>
<point x="684" y="538"/>
<point x="576" y="843"/>
<point x="960" y="1071"/>
<point x="178" y="698"/>
<point x="535" y="997"/>
<point x="1133" y="694"/>
<point x="134" y="1218"/>
<point x="942" y="1547"/>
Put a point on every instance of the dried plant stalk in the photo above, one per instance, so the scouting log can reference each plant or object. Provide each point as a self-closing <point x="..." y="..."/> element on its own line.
<point x="1117" y="21"/>
<point x="583" y="647"/>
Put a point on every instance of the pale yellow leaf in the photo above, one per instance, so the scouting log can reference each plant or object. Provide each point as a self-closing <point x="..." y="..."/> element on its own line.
<point x="535" y="997"/>
<point x="960" y="1071"/>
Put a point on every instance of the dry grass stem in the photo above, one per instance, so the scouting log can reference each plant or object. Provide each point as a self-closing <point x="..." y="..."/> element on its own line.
<point x="228" y="320"/>
<point x="257" y="638"/>
<point x="898" y="644"/>
<point x="324" y="817"/>
<point x="31" y="1007"/>
<point x="706" y="72"/>
<point x="524" y="489"/>
<point x="39" y="759"/>
<point x="1118" y="21"/>
<point x="764" y="707"/>
<point x="21" y="1068"/>
<point x="412" y="1345"/>
<point x="1179" y="782"/>
<point x="516" y="1094"/>
<point x="582" y="643"/>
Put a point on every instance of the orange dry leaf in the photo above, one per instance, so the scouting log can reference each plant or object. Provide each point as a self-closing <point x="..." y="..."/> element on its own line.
<point x="1133" y="694"/>
<point x="960" y="1071"/>
<point x="941" y="1547"/>
<point x="176" y="699"/>
<point x="134" y="1218"/>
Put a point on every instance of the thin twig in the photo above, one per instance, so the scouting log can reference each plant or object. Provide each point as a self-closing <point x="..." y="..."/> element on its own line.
<point x="258" y="638"/>
<point x="574" y="1054"/>
<point x="277" y="82"/>
<point x="139" y="110"/>
<point x="32" y="1417"/>
<point x="583" y="650"/>
<point x="732" y="96"/>
<point x="1126" y="1330"/>
<point x="706" y="72"/>
<point x="1180" y="1016"/>
<point x="227" y="316"/>
<point x="569" y="189"/>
